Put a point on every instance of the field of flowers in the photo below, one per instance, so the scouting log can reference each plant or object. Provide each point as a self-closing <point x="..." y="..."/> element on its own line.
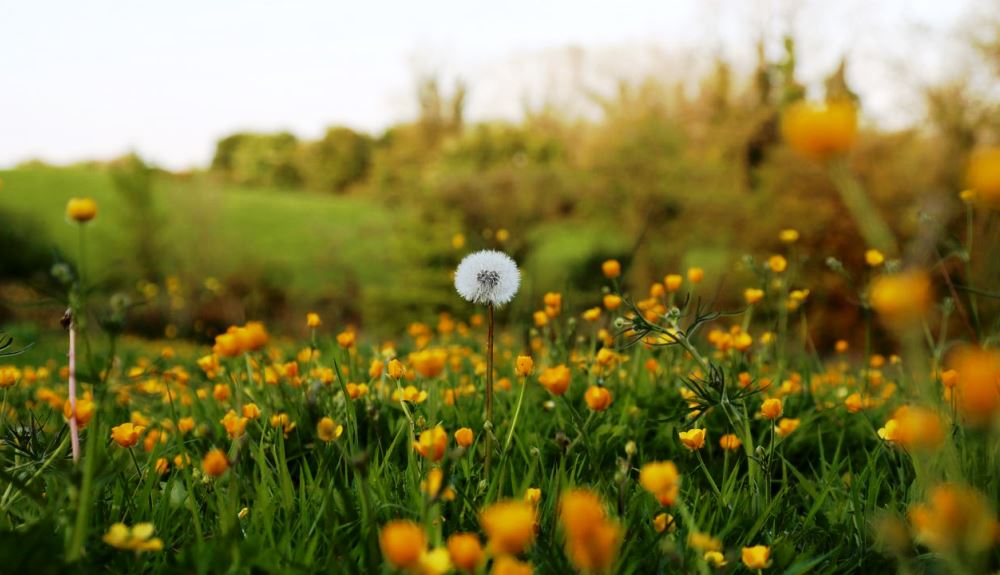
<point x="650" y="432"/>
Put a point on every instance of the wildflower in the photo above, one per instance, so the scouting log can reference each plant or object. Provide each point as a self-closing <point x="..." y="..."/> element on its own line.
<point x="215" y="463"/>
<point x="591" y="537"/>
<point x="375" y="369"/>
<point x="693" y="439"/>
<point x="756" y="557"/>
<point x="777" y="263"/>
<point x="611" y="301"/>
<point x="402" y="542"/>
<point x="432" y="485"/>
<point x="598" y="398"/>
<point x="854" y="403"/>
<point x="913" y="427"/>
<point x="695" y="275"/>
<point x="976" y="383"/>
<point x="84" y="411"/>
<point x="532" y="495"/>
<point x="466" y="551"/>
<point x="234" y="424"/>
<point x="787" y="426"/>
<point x="313" y="321"/>
<point x="283" y="421"/>
<point x="730" y="442"/>
<point x="662" y="479"/>
<point x="327" y="430"/>
<point x="592" y="314"/>
<point x="555" y="379"/>
<point x="346" y="339"/>
<point x="664" y="521"/>
<point x="210" y="365"/>
<point x="161" y="465"/>
<point x="509" y="526"/>
<point x="356" y="390"/>
<point x="874" y="258"/>
<point x="771" y="409"/>
<point x="253" y="336"/>
<point x="507" y="565"/>
<point x="715" y="559"/>
<point x="524" y="365"/>
<point x="429" y="363"/>
<point x="409" y="393"/>
<point x="901" y="298"/>
<point x="432" y="443"/>
<point x="673" y="282"/>
<point x="954" y="517"/>
<point x="396" y="369"/>
<point x="81" y="210"/>
<point x="138" y="538"/>
<point x="983" y="175"/>
<point x="841" y="346"/>
<point x="553" y="303"/>
<point x="251" y="411"/>
<point x="464" y="437"/>
<point x="487" y="277"/>
<point x="126" y="434"/>
<point x="753" y="295"/>
<point x="611" y="269"/>
<point x="540" y="318"/>
<point x="788" y="236"/>
<point x="9" y="375"/>
<point x="703" y="541"/>
<point x="820" y="131"/>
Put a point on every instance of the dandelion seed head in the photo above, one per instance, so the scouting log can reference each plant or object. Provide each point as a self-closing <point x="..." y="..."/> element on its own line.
<point x="487" y="277"/>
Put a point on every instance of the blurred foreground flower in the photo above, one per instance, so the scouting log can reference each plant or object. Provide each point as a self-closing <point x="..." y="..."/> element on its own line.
<point x="820" y="131"/>
<point x="983" y="176"/>
<point x="591" y="537"/>
<point x="138" y="538"/>
<point x="954" y="517"/>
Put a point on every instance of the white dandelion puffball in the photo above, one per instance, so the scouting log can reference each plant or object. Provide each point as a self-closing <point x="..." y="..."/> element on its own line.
<point x="487" y="277"/>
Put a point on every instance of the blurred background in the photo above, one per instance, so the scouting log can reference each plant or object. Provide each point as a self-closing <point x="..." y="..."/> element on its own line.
<point x="257" y="160"/>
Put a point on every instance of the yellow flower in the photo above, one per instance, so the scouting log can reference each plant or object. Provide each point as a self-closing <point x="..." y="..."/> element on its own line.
<point x="328" y="430"/>
<point x="162" y="465"/>
<point x="375" y="369"/>
<point x="597" y="398"/>
<point x="215" y="463"/>
<point x="611" y="269"/>
<point x="756" y="557"/>
<point x="139" y="538"/>
<point x="402" y="542"/>
<point x="464" y="437"/>
<point x="509" y="526"/>
<point x="524" y="365"/>
<point x="396" y="369"/>
<point x="820" y="131"/>
<point x="507" y="565"/>
<point x="234" y="424"/>
<point x="409" y="393"/>
<point x="458" y="241"/>
<point x="983" y="175"/>
<point x="555" y="379"/>
<point x="126" y="434"/>
<point x="251" y="411"/>
<point x="874" y="258"/>
<point x="356" y="390"/>
<point x="432" y="443"/>
<point x="592" y="314"/>
<point x="664" y="521"/>
<point x="901" y="298"/>
<point x="730" y="442"/>
<point x="789" y="236"/>
<point x="693" y="439"/>
<point x="715" y="559"/>
<point x="612" y="301"/>
<point x="662" y="479"/>
<point x="81" y="210"/>
<point x="345" y="339"/>
<point x="787" y="426"/>
<point x="954" y="517"/>
<point x="591" y="537"/>
<point x="466" y="551"/>
<point x="771" y="409"/>
<point x="541" y="318"/>
<point x="532" y="495"/>
<point x="777" y="263"/>
<point x="695" y="275"/>
<point x="753" y="295"/>
<point x="673" y="282"/>
<point x="703" y="541"/>
<point x="976" y="383"/>
<point x="9" y="375"/>
<point x="312" y="320"/>
<point x="84" y="411"/>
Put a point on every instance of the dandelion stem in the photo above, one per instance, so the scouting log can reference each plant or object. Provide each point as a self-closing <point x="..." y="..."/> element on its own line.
<point x="74" y="431"/>
<point x="489" y="391"/>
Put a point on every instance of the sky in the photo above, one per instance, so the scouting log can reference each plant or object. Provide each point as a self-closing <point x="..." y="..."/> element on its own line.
<point x="96" y="79"/>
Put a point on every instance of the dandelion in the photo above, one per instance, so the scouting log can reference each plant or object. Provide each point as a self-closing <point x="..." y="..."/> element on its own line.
<point x="487" y="277"/>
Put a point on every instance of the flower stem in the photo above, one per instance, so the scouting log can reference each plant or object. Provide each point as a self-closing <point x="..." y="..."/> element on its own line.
<point x="489" y="392"/>
<point x="74" y="431"/>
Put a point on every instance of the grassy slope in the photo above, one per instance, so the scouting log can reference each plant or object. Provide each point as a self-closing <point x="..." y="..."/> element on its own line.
<point x="314" y="242"/>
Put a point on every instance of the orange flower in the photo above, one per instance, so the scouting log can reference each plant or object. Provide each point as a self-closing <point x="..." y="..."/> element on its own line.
<point x="662" y="479"/>
<point x="695" y="275"/>
<point x="597" y="398"/>
<point x="612" y="301"/>
<point x="983" y="175"/>
<point x="234" y="424"/>
<point x="313" y="321"/>
<point x="753" y="295"/>
<point x="432" y="443"/>
<point x="976" y="383"/>
<point x="532" y="495"/>
<point x="954" y="517"/>
<point x="464" y="437"/>
<point x="215" y="463"/>
<point x="402" y="542"/>
<point x="901" y="298"/>
<point x="84" y="411"/>
<point x="771" y="409"/>
<point x="673" y="282"/>
<point x="555" y="379"/>
<point x="466" y="551"/>
<point x="913" y="427"/>
<point x="126" y="434"/>
<point x="777" y="263"/>
<point x="524" y="365"/>
<point x="226" y="345"/>
<point x="396" y="369"/>
<point x="327" y="430"/>
<point x="787" y="426"/>
<point x="611" y="269"/>
<point x="693" y="439"/>
<point x="356" y="390"/>
<point x="509" y="525"/>
<point x="591" y="537"/>
<point x="507" y="565"/>
<point x="345" y="339"/>
<point x="375" y="369"/>
<point x="730" y="442"/>
<point x="756" y="557"/>
<point x="820" y="131"/>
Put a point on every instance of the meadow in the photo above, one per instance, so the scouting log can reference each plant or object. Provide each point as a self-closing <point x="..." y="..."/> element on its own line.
<point x="651" y="344"/>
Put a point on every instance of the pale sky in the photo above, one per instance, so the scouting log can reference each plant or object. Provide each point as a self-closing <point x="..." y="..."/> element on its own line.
<point x="97" y="78"/>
